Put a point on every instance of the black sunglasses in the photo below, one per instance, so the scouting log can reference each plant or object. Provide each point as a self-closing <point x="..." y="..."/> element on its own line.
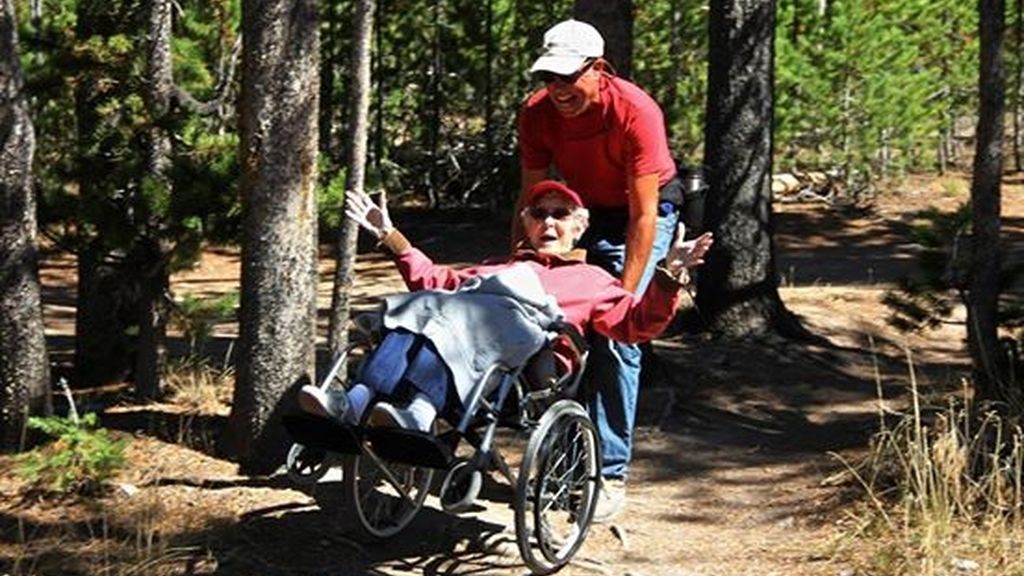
<point x="541" y="214"/>
<point x="548" y="77"/>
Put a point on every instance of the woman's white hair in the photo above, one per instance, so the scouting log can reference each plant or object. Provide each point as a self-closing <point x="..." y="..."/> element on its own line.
<point x="582" y="217"/>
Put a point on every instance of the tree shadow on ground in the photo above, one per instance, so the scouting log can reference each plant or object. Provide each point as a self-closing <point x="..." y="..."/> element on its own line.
<point x="324" y="539"/>
<point x="859" y="247"/>
<point x="724" y="412"/>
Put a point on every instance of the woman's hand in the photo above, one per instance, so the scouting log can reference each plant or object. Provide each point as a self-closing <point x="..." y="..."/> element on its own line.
<point x="685" y="254"/>
<point x="371" y="217"/>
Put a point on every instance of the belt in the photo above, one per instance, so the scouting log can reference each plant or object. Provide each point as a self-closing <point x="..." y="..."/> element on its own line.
<point x="665" y="208"/>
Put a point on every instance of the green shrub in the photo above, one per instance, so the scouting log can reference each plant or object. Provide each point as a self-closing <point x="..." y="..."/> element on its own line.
<point x="80" y="460"/>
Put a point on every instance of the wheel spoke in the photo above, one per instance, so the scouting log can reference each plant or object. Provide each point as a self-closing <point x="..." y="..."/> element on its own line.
<point x="390" y="478"/>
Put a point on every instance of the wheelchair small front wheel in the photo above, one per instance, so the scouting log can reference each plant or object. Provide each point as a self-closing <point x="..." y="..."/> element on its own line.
<point x="306" y="465"/>
<point x="384" y="496"/>
<point x="461" y="487"/>
<point x="557" y="487"/>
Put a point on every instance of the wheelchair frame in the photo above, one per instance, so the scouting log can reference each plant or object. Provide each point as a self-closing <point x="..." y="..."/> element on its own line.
<point x="388" y="472"/>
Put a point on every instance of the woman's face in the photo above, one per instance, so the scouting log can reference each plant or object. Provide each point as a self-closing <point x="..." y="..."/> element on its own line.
<point x="573" y="94"/>
<point x="553" y="224"/>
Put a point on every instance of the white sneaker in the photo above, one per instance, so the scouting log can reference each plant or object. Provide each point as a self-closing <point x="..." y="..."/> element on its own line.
<point x="328" y="404"/>
<point x="611" y="499"/>
<point x="387" y="415"/>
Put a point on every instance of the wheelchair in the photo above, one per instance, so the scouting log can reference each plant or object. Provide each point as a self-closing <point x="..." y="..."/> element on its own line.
<point x="387" y="473"/>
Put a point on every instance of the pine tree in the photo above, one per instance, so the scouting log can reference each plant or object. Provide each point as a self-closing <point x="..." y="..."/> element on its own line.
<point x="738" y="287"/>
<point x="24" y="369"/>
<point x="279" y="105"/>
<point x="337" y="337"/>
<point x="983" y="293"/>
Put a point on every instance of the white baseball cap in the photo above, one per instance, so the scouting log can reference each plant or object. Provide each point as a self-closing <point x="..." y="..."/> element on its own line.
<point x="567" y="45"/>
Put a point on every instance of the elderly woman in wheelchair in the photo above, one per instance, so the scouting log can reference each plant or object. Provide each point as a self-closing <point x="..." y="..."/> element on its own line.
<point x="496" y="343"/>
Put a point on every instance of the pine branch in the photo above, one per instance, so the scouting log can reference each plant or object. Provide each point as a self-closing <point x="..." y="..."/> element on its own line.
<point x="225" y="75"/>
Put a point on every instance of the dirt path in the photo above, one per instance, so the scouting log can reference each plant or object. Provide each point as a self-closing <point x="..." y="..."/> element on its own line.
<point x="733" y="444"/>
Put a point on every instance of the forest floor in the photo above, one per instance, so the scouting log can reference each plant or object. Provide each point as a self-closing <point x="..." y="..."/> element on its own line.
<point x="738" y="445"/>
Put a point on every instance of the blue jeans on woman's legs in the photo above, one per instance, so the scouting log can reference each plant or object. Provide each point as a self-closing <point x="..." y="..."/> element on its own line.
<point x="404" y="358"/>
<point x="613" y="371"/>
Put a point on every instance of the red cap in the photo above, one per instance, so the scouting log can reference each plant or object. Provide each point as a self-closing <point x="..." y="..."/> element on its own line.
<point x="544" y="186"/>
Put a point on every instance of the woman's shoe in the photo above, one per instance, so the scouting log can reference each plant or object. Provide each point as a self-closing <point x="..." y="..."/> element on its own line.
<point x="387" y="415"/>
<point x="328" y="404"/>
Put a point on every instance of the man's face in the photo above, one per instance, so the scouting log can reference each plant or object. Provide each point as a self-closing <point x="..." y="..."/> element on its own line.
<point x="551" y="224"/>
<point x="573" y="94"/>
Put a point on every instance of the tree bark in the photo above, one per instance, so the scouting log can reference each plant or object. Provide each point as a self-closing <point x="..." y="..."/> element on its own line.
<point x="378" y="71"/>
<point x="153" y="253"/>
<point x="24" y="369"/>
<point x="983" y="287"/>
<point x="1018" y="106"/>
<point x="614" y="20"/>
<point x="738" y="287"/>
<point x="341" y="305"/>
<point x="278" y="153"/>
<point x="435" y="75"/>
<point x="671" y="105"/>
<point x="494" y="199"/>
<point x="328" y="67"/>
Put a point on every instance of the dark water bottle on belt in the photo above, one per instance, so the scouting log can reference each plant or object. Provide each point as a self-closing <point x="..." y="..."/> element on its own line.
<point x="694" y="190"/>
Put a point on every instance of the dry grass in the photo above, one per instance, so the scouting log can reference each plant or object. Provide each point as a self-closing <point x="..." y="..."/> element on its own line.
<point x="93" y="537"/>
<point x="135" y="527"/>
<point x="943" y="492"/>
<point x="195" y="385"/>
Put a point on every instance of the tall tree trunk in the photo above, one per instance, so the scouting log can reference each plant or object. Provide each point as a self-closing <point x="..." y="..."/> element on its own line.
<point x="102" y="346"/>
<point x="1018" y="106"/>
<point x="328" y="66"/>
<point x="359" y="92"/>
<point x="378" y="74"/>
<point x="24" y="369"/>
<point x="495" y="199"/>
<point x="153" y="277"/>
<point x="674" y="75"/>
<point x="154" y="254"/>
<point x="983" y="290"/>
<point x="278" y="153"/>
<point x="614" y="20"/>
<point x="738" y="286"/>
<point x="436" y="74"/>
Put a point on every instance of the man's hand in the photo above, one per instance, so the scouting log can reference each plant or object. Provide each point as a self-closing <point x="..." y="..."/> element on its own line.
<point x="685" y="254"/>
<point x="371" y="217"/>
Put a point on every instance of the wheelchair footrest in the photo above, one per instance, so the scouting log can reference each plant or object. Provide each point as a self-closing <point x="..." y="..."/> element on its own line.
<point x="324" y="433"/>
<point x="411" y="447"/>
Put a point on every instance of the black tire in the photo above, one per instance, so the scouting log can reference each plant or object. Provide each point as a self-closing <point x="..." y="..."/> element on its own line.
<point x="381" y="508"/>
<point x="461" y="487"/>
<point x="305" y="465"/>
<point x="556" y="492"/>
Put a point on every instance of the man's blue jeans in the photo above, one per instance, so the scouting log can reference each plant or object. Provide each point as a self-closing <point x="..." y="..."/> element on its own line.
<point x="613" y="371"/>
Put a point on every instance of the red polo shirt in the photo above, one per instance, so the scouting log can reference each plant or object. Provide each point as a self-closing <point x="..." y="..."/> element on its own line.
<point x="622" y="135"/>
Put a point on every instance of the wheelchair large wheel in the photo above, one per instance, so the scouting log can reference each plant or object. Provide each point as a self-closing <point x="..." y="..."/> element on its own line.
<point x="556" y="491"/>
<point x="384" y="496"/>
